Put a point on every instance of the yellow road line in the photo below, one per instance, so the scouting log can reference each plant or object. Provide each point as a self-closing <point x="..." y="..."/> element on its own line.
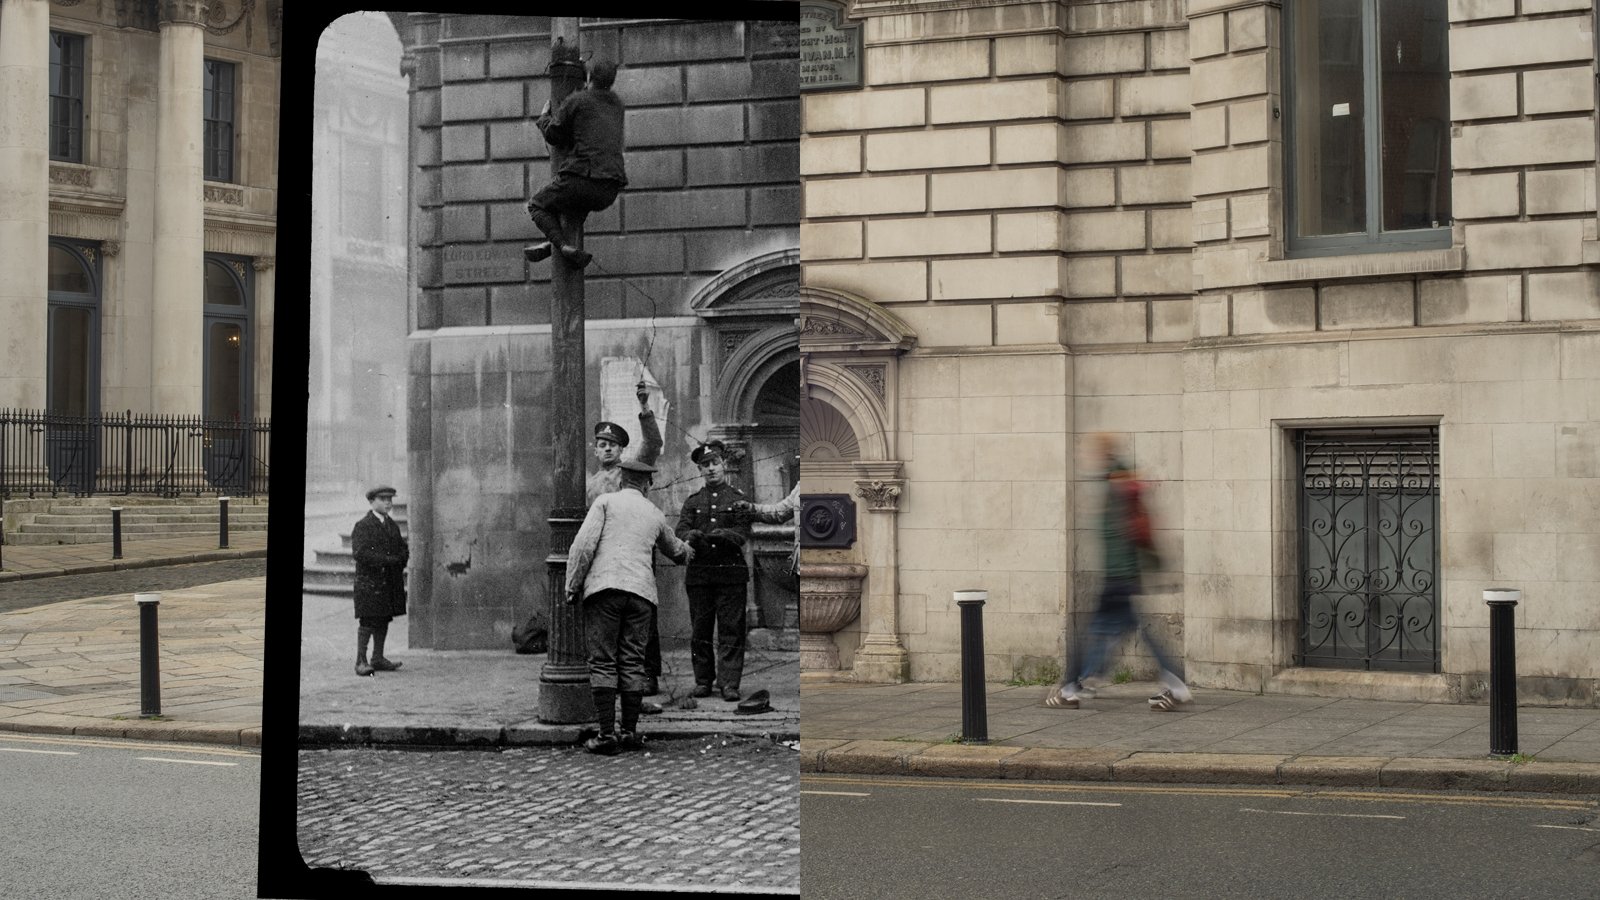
<point x="121" y="744"/>
<point x="1217" y="791"/>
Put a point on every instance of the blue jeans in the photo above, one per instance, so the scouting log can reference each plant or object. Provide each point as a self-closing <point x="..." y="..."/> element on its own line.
<point x="1112" y="619"/>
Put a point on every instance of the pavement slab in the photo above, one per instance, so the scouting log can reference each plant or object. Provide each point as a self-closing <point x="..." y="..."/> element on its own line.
<point x="1223" y="737"/>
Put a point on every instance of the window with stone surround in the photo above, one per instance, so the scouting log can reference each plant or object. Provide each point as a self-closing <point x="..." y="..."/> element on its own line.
<point x="219" y="119"/>
<point x="66" y="96"/>
<point x="1367" y="107"/>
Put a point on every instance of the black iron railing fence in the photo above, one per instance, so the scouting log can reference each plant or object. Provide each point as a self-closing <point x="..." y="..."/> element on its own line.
<point x="50" y="454"/>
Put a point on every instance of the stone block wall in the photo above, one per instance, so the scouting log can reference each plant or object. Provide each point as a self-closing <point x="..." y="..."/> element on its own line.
<point x="711" y="126"/>
<point x="711" y="150"/>
<point x="1120" y="166"/>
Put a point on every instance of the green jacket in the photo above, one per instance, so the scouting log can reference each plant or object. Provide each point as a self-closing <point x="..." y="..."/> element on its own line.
<point x="1116" y="534"/>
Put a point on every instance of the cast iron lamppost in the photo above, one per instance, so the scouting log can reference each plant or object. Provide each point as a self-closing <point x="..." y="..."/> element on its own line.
<point x="564" y="696"/>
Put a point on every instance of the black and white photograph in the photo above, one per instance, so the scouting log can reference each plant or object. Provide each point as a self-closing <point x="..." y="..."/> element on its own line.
<point x="549" y="626"/>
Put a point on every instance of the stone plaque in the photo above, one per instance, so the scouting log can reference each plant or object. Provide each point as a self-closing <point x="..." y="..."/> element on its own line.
<point x="479" y="263"/>
<point x="827" y="520"/>
<point x="830" y="51"/>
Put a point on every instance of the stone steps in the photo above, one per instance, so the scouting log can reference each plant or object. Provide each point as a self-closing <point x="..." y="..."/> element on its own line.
<point x="334" y="571"/>
<point x="87" y="520"/>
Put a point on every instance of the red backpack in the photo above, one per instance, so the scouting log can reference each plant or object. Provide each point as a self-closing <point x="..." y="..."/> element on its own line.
<point x="1139" y="528"/>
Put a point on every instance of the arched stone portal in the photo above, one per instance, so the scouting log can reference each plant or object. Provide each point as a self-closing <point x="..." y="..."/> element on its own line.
<point x="850" y="350"/>
<point x="753" y="367"/>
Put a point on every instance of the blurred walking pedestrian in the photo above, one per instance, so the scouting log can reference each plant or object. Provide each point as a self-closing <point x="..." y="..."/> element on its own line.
<point x="1125" y="535"/>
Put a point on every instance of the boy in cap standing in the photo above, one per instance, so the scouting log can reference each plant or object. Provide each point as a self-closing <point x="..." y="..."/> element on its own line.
<point x="716" y="581"/>
<point x="610" y="569"/>
<point x="380" y="593"/>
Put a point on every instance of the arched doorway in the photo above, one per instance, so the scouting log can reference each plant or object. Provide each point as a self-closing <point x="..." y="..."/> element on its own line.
<point x="225" y="395"/>
<point x="72" y="387"/>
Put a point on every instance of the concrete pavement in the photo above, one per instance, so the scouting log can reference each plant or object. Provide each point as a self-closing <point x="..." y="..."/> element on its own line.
<point x="72" y="667"/>
<point x="491" y="697"/>
<point x="19" y="563"/>
<point x="1224" y="737"/>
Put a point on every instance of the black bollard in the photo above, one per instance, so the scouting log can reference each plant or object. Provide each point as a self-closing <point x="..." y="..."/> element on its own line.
<point x="222" y="523"/>
<point x="116" y="532"/>
<point x="149" y="656"/>
<point x="2" y="542"/>
<point x="1502" y="670"/>
<point x="974" y="703"/>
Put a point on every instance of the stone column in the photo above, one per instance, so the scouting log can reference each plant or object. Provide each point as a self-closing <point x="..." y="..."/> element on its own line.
<point x="24" y="199"/>
<point x="882" y="658"/>
<point x="262" y="337"/>
<point x="176" y="340"/>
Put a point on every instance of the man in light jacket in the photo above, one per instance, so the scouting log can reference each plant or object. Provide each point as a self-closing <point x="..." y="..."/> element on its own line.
<point x="609" y="570"/>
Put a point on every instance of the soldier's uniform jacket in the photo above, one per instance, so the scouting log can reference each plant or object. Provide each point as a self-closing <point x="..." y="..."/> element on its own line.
<point x="381" y="554"/>
<point x="719" y="559"/>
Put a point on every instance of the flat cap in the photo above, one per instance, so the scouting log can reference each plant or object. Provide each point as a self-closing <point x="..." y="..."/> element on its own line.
<point x="380" y="492"/>
<point x="633" y="465"/>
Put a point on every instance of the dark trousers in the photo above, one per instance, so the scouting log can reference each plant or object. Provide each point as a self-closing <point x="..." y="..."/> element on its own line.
<point x="568" y="195"/>
<point x="718" y="607"/>
<point x="652" y="648"/>
<point x="617" y="626"/>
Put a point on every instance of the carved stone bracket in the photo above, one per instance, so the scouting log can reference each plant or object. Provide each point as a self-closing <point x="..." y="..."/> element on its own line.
<point x="265" y="263"/>
<point x="871" y="376"/>
<point x="881" y="496"/>
<point x="229" y="195"/>
<point x="111" y="248"/>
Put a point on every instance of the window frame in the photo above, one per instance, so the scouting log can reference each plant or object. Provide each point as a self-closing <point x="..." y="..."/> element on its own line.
<point x="81" y="41"/>
<point x="209" y="124"/>
<point x="1374" y="239"/>
<point x="87" y="254"/>
<point x="244" y="317"/>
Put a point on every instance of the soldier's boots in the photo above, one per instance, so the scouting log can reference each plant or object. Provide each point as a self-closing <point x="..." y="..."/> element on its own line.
<point x="363" y="669"/>
<point x="604" y="744"/>
<point x="381" y="664"/>
<point x="629" y="740"/>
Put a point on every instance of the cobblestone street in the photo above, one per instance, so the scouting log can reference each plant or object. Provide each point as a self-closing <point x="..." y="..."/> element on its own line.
<point x="718" y="812"/>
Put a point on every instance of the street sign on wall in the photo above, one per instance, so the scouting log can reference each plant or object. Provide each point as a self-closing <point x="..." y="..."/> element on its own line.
<point x="830" y="50"/>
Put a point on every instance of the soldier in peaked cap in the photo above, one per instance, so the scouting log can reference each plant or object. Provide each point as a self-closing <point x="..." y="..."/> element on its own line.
<point x="718" y="577"/>
<point x="610" y="568"/>
<point x="380" y="594"/>
<point x="611" y="439"/>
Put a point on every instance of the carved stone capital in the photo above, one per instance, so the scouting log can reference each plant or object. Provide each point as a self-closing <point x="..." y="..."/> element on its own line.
<point x="111" y="248"/>
<point x="183" y="12"/>
<point x="265" y="263"/>
<point x="881" y="496"/>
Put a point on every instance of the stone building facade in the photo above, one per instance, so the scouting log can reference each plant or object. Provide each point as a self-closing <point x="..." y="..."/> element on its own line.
<point x="693" y="290"/>
<point x="356" y="413"/>
<point x="138" y="199"/>
<point x="1329" y="270"/>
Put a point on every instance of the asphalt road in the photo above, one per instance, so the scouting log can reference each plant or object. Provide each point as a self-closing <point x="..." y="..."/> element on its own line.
<point x="922" y="839"/>
<point x="711" y="813"/>
<point x="38" y="591"/>
<point x="106" y="819"/>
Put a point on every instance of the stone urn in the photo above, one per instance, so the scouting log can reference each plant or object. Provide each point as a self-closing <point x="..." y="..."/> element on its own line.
<point x="830" y="599"/>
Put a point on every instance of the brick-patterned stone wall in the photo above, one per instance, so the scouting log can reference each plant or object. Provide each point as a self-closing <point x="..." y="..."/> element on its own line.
<point x="711" y="124"/>
<point x="1144" y="153"/>
<point x="712" y="155"/>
